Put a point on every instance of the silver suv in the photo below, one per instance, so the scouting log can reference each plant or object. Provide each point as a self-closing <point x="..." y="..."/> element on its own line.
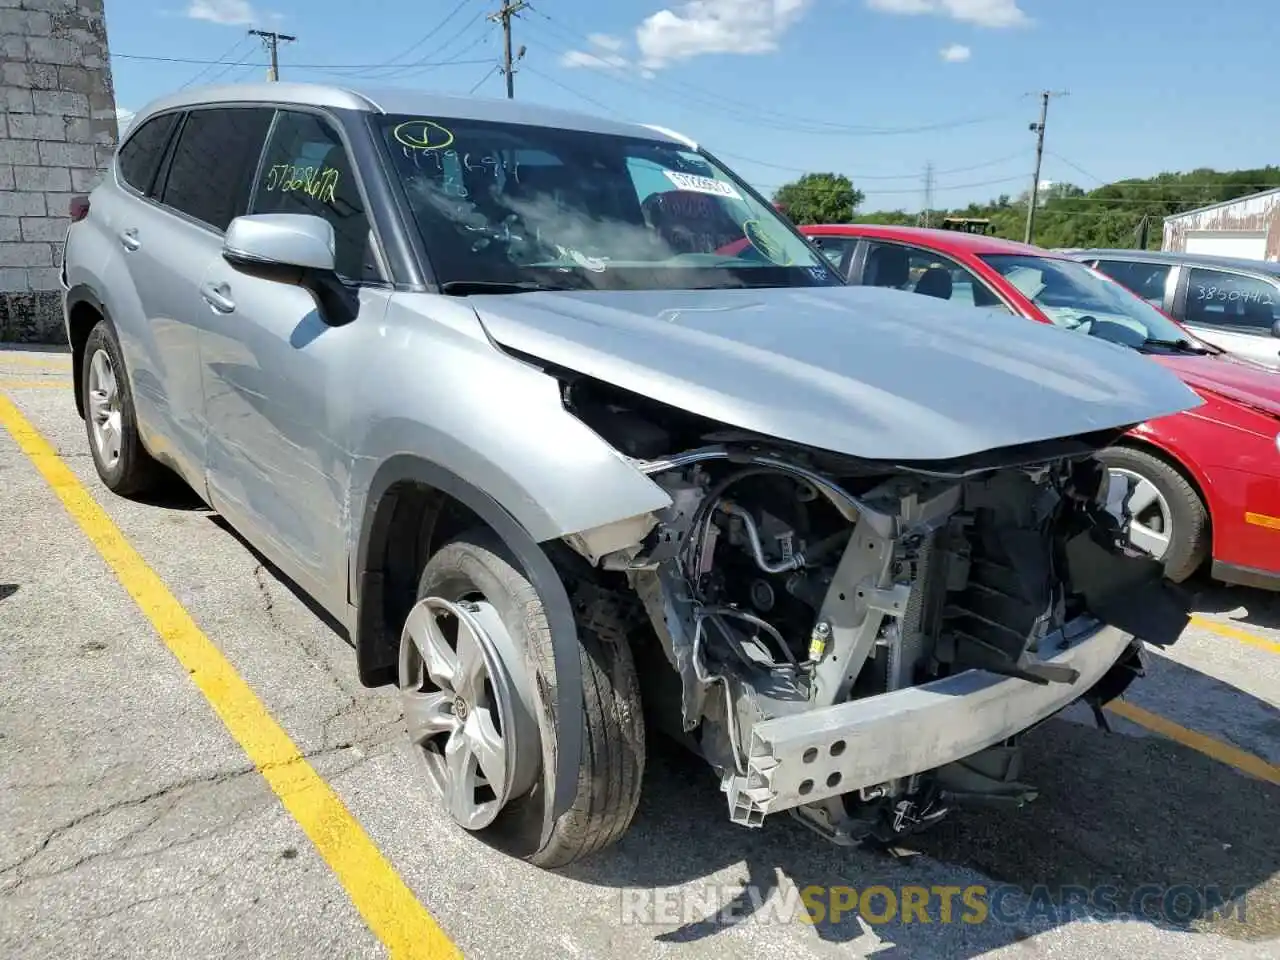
<point x="562" y="420"/>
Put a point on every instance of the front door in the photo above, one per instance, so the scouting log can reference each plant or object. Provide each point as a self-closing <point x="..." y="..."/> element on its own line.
<point x="279" y="458"/>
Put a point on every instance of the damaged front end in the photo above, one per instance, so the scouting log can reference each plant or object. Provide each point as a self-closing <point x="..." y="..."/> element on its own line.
<point x="864" y="643"/>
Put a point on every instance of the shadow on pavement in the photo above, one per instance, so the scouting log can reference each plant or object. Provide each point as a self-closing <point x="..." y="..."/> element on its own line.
<point x="1246" y="605"/>
<point x="303" y="597"/>
<point x="1118" y="812"/>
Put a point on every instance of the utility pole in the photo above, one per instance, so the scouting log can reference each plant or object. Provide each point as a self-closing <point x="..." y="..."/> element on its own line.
<point x="272" y="40"/>
<point x="509" y="9"/>
<point x="1038" y="130"/>
<point x="928" y="192"/>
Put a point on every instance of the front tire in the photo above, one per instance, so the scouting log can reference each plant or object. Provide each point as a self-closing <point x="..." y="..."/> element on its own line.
<point x="1169" y="518"/>
<point x="111" y="423"/>
<point x="477" y="643"/>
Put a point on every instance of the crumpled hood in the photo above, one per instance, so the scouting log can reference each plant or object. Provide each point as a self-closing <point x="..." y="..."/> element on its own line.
<point x="1235" y="378"/>
<point x="864" y="371"/>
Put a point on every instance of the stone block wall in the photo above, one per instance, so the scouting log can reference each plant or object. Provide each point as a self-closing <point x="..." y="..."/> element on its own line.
<point x="57" y="134"/>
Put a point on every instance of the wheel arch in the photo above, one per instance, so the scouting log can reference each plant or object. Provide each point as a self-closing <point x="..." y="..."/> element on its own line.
<point x="410" y="507"/>
<point x="84" y="311"/>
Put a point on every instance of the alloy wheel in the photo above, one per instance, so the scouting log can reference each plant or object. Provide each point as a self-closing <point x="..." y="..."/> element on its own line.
<point x="1151" y="526"/>
<point x="468" y="714"/>
<point x="104" y="409"/>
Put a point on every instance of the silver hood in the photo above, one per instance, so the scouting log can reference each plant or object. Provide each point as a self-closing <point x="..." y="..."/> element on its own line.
<point x="864" y="371"/>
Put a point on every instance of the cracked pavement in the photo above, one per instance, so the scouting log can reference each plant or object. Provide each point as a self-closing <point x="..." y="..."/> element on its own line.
<point x="132" y="825"/>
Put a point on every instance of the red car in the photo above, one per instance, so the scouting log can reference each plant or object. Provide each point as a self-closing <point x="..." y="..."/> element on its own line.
<point x="1208" y="480"/>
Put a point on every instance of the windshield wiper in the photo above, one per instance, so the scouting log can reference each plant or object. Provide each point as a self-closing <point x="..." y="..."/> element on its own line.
<point x="1182" y="345"/>
<point x="464" y="287"/>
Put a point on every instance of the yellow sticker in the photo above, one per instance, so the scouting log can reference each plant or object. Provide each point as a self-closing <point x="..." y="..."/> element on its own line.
<point x="773" y="251"/>
<point x="422" y="135"/>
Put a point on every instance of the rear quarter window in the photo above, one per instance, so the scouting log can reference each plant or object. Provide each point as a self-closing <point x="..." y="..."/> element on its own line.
<point x="142" y="152"/>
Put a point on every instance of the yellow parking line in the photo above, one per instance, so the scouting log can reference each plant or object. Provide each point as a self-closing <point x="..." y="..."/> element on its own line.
<point x="393" y="913"/>
<point x="1235" y="633"/>
<point x="1215" y="749"/>
<point x="50" y="383"/>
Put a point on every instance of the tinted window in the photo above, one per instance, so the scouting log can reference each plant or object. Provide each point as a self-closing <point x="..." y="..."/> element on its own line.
<point x="1145" y="279"/>
<point x="213" y="165"/>
<point x="1218" y="299"/>
<point x="307" y="170"/>
<point x="927" y="273"/>
<point x="140" y="156"/>
<point x="511" y="203"/>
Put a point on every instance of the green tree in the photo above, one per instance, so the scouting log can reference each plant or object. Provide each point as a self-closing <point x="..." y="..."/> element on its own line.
<point x="819" y="198"/>
<point x="1110" y="215"/>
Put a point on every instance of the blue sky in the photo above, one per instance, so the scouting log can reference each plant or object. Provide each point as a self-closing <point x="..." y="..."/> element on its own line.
<point x="876" y="89"/>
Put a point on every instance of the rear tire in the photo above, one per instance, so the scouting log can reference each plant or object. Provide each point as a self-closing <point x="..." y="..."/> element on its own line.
<point x="110" y="419"/>
<point x="478" y="564"/>
<point x="1189" y="540"/>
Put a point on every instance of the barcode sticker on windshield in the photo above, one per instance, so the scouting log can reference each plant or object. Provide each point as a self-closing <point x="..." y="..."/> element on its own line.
<point x="687" y="181"/>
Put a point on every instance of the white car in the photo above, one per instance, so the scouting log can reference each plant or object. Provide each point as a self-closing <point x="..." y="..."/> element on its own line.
<point x="1229" y="302"/>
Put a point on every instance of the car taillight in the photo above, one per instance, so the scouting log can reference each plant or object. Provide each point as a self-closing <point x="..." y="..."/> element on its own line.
<point x="79" y="208"/>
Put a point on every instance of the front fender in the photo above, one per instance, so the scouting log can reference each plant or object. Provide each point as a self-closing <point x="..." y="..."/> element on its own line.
<point x="541" y="573"/>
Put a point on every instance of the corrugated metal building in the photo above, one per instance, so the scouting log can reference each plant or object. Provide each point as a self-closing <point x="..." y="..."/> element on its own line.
<point x="1245" y="227"/>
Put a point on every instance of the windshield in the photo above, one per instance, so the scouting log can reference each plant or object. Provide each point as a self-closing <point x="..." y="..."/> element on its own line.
<point x="500" y="205"/>
<point x="1073" y="296"/>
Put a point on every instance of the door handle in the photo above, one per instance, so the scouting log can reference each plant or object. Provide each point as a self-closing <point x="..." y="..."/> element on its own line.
<point x="215" y="295"/>
<point x="129" y="239"/>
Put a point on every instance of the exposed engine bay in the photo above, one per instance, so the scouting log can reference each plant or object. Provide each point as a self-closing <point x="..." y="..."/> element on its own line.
<point x="830" y="624"/>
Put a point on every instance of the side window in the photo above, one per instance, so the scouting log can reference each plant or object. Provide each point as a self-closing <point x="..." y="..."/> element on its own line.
<point x="307" y="170"/>
<point x="141" y="154"/>
<point x="927" y="273"/>
<point x="1231" y="301"/>
<point x="1147" y="280"/>
<point x="212" y="168"/>
<point x="836" y="249"/>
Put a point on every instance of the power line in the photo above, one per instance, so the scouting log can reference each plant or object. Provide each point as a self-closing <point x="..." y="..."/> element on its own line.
<point x="296" y="66"/>
<point x="487" y="74"/>
<point x="222" y="59"/>
<point x="753" y="114"/>
<point x="861" y="177"/>
<point x="426" y="61"/>
<point x="391" y="63"/>
<point x="568" y="89"/>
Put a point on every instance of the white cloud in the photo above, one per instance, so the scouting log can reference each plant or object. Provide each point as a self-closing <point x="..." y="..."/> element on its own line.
<point x="955" y="53"/>
<point x="605" y="54"/>
<point x="606" y="42"/>
<point x="595" y="60"/>
<point x="984" y="13"/>
<point x="699" y="27"/>
<point x="231" y="12"/>
<point x="123" y="119"/>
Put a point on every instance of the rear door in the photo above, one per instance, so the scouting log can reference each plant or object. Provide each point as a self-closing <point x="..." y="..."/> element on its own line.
<point x="136" y="276"/>
<point x="1233" y="310"/>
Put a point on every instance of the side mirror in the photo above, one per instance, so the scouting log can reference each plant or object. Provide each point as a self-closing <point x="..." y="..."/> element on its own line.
<point x="292" y="248"/>
<point x="270" y="242"/>
<point x="1275" y="329"/>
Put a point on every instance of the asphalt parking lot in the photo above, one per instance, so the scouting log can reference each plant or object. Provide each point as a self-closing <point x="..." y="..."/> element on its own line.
<point x="139" y="818"/>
